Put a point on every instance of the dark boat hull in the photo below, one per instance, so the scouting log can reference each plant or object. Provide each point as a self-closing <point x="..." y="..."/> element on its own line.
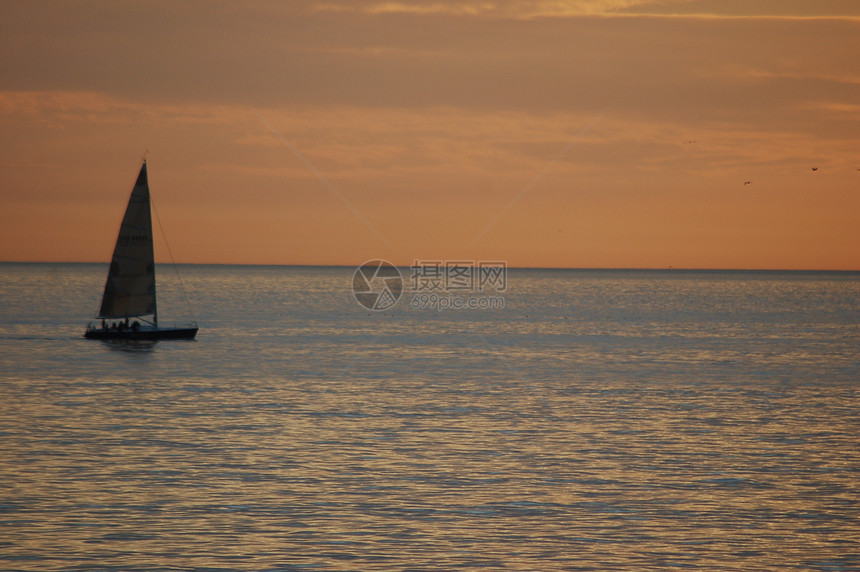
<point x="143" y="334"/>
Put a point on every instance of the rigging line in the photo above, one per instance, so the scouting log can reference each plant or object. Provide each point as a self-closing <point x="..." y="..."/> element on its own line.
<point x="172" y="260"/>
<point x="323" y="179"/>
<point x="525" y="189"/>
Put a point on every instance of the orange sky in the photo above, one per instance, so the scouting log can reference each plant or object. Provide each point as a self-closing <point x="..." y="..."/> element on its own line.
<point x="581" y="133"/>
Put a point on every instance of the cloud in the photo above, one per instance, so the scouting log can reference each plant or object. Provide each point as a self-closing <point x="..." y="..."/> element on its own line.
<point x="528" y="9"/>
<point x="689" y="69"/>
<point x="500" y="9"/>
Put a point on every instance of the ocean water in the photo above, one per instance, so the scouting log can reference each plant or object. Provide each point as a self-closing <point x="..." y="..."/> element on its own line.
<point x="601" y="420"/>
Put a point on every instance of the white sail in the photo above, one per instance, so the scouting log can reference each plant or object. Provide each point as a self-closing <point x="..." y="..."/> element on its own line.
<point x="130" y="286"/>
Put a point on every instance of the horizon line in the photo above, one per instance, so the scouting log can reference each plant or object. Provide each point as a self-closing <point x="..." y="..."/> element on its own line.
<point x="614" y="268"/>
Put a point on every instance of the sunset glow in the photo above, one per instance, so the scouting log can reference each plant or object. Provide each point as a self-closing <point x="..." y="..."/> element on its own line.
<point x="591" y="133"/>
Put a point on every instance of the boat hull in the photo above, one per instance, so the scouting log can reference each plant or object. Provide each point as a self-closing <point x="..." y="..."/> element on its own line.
<point x="143" y="334"/>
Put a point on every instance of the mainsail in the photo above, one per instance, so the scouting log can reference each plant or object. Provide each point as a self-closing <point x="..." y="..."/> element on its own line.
<point x="130" y="286"/>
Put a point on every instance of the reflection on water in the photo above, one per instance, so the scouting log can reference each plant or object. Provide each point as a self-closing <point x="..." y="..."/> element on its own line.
<point x="130" y="346"/>
<point x="627" y="423"/>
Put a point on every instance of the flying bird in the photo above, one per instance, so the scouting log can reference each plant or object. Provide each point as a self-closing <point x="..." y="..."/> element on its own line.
<point x="815" y="168"/>
<point x="747" y="182"/>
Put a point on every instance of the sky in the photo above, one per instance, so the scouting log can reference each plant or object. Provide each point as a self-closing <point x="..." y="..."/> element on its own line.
<point x="557" y="133"/>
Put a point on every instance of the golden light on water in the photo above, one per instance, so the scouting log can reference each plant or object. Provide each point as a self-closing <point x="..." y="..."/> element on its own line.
<point x="328" y="473"/>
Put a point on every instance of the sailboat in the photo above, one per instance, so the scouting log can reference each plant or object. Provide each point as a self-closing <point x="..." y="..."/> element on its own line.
<point x="128" y="310"/>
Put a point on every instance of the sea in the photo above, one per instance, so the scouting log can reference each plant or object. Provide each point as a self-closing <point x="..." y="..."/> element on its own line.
<point x="595" y="420"/>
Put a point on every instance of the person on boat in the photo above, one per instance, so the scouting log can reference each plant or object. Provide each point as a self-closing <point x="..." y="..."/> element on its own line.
<point x="104" y="325"/>
<point x="135" y="326"/>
